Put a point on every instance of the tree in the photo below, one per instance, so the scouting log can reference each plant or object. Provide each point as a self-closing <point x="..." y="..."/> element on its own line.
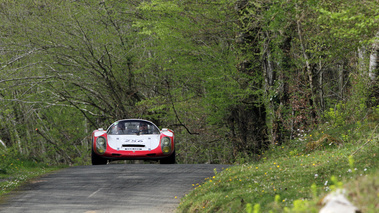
<point x="359" y="32"/>
<point x="72" y="58"/>
<point x="193" y="60"/>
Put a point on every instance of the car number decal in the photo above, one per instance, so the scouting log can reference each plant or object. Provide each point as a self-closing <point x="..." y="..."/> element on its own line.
<point x="133" y="141"/>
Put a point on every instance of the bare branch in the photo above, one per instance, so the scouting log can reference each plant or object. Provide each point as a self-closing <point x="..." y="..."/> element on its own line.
<point x="18" y="58"/>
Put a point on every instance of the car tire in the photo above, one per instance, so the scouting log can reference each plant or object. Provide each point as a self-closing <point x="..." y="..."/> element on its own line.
<point x="97" y="160"/>
<point x="169" y="160"/>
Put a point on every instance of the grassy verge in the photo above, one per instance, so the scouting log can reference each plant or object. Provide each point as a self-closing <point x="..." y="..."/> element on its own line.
<point x="294" y="177"/>
<point x="15" y="171"/>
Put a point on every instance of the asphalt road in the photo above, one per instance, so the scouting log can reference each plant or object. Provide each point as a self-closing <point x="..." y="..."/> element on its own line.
<point x="127" y="188"/>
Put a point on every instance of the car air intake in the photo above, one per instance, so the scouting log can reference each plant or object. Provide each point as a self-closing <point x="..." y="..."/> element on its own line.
<point x="133" y="145"/>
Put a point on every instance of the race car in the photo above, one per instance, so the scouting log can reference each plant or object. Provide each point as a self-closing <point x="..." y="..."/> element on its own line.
<point x="133" y="139"/>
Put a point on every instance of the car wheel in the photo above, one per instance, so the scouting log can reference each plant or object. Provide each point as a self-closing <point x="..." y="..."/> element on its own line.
<point x="169" y="160"/>
<point x="97" y="160"/>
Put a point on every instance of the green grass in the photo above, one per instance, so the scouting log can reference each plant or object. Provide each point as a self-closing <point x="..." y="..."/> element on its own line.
<point x="285" y="175"/>
<point x="15" y="171"/>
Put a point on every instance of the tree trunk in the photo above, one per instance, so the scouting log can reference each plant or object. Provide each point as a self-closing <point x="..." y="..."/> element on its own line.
<point x="374" y="60"/>
<point x="309" y="72"/>
<point x="3" y="144"/>
<point x="321" y="90"/>
<point x="269" y="77"/>
<point x="361" y="59"/>
<point x="340" y="80"/>
<point x="306" y="58"/>
<point x="374" y="70"/>
<point x="15" y="134"/>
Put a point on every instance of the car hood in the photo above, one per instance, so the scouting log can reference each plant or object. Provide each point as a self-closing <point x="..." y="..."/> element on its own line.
<point x="133" y="142"/>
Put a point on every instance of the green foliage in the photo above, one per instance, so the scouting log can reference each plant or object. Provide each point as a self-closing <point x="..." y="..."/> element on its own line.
<point x="358" y="20"/>
<point x="249" y="208"/>
<point x="351" y="163"/>
<point x="286" y="182"/>
<point x="257" y="208"/>
<point x="337" y="116"/>
<point x="344" y="114"/>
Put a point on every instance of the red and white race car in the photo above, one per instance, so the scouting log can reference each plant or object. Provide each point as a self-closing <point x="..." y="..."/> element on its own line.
<point x="133" y="139"/>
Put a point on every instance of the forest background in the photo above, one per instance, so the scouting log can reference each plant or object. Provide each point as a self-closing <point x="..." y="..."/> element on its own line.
<point x="231" y="78"/>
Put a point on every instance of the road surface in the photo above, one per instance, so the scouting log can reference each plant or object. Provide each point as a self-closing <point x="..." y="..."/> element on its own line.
<point x="133" y="188"/>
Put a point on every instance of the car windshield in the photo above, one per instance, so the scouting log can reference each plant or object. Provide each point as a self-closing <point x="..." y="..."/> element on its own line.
<point x="132" y="128"/>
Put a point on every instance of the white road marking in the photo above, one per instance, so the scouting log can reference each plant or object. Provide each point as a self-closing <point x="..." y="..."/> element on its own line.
<point x="94" y="193"/>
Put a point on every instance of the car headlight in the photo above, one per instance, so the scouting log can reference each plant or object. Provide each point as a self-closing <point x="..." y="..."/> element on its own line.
<point x="101" y="145"/>
<point x="166" y="145"/>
